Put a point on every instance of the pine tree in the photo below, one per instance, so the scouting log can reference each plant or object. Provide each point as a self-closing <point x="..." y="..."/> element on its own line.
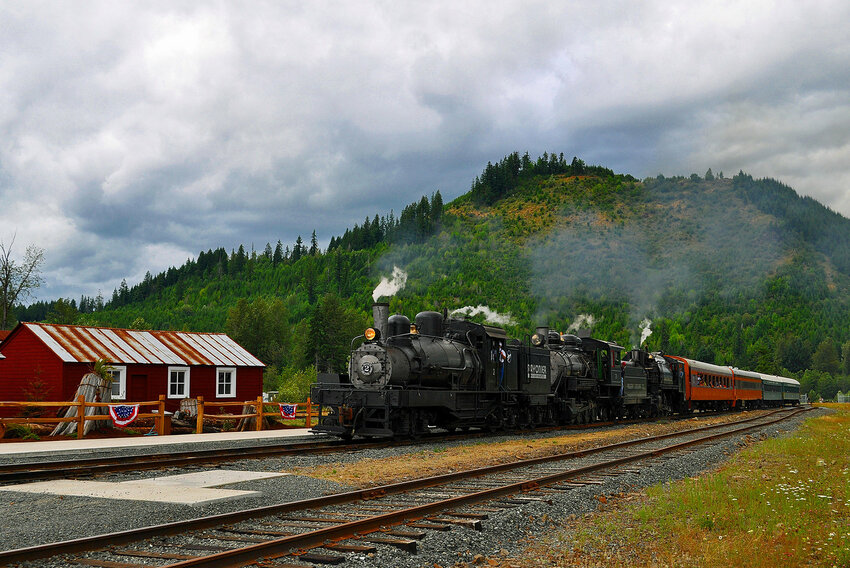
<point x="314" y="244"/>
<point x="298" y="249"/>
<point x="436" y="207"/>
<point x="278" y="253"/>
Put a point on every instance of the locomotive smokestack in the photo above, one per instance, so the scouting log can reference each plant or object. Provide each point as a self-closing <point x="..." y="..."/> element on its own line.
<point x="542" y="335"/>
<point x="381" y="314"/>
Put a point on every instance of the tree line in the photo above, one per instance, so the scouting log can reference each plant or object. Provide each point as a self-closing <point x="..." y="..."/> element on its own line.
<point x="297" y="307"/>
<point x="499" y="179"/>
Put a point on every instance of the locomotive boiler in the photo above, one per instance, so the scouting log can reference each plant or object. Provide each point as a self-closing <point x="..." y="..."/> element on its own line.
<point x="406" y="377"/>
<point x="421" y="358"/>
<point x="434" y="371"/>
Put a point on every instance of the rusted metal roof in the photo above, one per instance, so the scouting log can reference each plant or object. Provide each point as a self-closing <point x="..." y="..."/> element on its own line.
<point x="82" y="344"/>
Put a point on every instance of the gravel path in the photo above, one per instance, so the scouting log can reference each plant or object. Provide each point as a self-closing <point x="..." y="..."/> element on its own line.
<point x="36" y="519"/>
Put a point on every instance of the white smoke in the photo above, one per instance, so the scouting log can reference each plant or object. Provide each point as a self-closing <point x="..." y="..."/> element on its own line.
<point x="583" y="321"/>
<point x="489" y="315"/>
<point x="645" y="332"/>
<point x="388" y="287"/>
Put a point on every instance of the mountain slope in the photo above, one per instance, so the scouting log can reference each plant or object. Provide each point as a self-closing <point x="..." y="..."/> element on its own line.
<point x="736" y="271"/>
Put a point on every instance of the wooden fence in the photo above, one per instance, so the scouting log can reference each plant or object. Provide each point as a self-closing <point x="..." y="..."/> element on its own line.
<point x="305" y="411"/>
<point x="160" y="416"/>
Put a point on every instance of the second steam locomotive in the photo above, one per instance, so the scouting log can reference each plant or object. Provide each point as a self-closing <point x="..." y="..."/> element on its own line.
<point x="455" y="374"/>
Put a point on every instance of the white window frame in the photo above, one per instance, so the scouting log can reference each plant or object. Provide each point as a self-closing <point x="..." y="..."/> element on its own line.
<point x="185" y="393"/>
<point x="232" y="371"/>
<point x="121" y="372"/>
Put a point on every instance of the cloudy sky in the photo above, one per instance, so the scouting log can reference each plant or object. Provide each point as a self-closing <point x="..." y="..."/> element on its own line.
<point x="135" y="134"/>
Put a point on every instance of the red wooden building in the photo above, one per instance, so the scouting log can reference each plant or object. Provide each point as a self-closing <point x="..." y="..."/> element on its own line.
<point x="53" y="358"/>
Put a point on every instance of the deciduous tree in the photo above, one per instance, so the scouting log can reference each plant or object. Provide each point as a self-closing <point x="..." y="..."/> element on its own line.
<point x="826" y="358"/>
<point x="17" y="279"/>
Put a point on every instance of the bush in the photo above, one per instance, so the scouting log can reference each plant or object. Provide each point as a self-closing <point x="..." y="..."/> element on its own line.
<point x="21" y="431"/>
<point x="294" y="384"/>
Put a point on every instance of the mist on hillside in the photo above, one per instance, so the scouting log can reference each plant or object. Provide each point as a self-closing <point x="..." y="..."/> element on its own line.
<point x="692" y="243"/>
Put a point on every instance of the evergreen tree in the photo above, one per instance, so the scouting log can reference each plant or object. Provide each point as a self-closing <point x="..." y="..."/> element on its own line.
<point x="845" y="358"/>
<point x="123" y="292"/>
<point x="332" y="325"/>
<point x="278" y="253"/>
<point x="436" y="207"/>
<point x="792" y="353"/>
<point x="297" y="249"/>
<point x="826" y="358"/>
<point x="314" y="244"/>
<point x="237" y="261"/>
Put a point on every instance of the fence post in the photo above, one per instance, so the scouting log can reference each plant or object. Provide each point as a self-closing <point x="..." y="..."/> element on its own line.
<point x="161" y="427"/>
<point x="259" y="413"/>
<point x="199" y="428"/>
<point x="309" y="422"/>
<point x="81" y="416"/>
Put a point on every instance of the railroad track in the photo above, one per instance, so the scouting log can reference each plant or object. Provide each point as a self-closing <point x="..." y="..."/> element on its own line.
<point x="323" y="530"/>
<point x="73" y="468"/>
<point x="65" y="469"/>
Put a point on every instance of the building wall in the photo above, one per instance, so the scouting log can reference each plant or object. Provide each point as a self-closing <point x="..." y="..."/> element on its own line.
<point x="147" y="382"/>
<point x="29" y="366"/>
<point x="27" y="358"/>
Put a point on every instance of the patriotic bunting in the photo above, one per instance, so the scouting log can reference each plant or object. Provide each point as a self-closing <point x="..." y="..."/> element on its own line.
<point x="123" y="414"/>
<point x="287" y="411"/>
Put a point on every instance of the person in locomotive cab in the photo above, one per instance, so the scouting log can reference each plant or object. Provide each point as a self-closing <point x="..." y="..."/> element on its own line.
<point x="498" y="355"/>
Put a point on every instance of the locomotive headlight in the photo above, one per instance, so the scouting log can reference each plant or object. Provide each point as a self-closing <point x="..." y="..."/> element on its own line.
<point x="371" y="334"/>
<point x="536" y="340"/>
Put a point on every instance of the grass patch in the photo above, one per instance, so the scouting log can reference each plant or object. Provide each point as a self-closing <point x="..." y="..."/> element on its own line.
<point x="420" y="463"/>
<point x="781" y="502"/>
<point x="21" y="431"/>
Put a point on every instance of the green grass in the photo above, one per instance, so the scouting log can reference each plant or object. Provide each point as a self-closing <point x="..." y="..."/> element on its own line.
<point x="780" y="502"/>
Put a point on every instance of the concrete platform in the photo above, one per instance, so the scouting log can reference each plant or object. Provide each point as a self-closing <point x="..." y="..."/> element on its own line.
<point x="48" y="446"/>
<point x="193" y="489"/>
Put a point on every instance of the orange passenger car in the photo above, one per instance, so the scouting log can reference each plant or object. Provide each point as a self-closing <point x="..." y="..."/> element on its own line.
<point x="748" y="388"/>
<point x="707" y="386"/>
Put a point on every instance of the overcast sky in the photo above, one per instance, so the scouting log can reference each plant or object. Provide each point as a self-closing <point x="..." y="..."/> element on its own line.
<point x="134" y="135"/>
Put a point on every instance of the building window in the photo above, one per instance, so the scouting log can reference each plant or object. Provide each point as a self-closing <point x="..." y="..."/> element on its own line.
<point x="118" y="374"/>
<point x="178" y="382"/>
<point x="226" y="383"/>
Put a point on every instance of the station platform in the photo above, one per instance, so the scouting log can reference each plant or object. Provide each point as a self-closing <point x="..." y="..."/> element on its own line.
<point x="10" y="449"/>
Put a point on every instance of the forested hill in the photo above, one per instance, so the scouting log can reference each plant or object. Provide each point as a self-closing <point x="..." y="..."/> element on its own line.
<point x="727" y="270"/>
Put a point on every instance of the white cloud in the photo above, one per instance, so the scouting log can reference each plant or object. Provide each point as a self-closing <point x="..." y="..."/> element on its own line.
<point x="139" y="128"/>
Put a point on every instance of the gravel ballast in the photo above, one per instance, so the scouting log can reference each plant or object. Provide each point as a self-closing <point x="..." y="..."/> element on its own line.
<point x="31" y="519"/>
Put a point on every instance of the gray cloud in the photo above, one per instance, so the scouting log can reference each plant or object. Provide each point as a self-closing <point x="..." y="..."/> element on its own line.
<point x="133" y="135"/>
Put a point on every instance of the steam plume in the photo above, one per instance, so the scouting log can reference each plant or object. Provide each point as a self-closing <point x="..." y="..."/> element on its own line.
<point x="388" y="287"/>
<point x="645" y="331"/>
<point x="583" y="321"/>
<point x="489" y="315"/>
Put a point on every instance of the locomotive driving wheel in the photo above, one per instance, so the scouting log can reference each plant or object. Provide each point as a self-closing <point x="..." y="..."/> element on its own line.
<point x="495" y="421"/>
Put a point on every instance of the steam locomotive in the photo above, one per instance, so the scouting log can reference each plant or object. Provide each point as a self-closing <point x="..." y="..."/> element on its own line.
<point x="455" y="374"/>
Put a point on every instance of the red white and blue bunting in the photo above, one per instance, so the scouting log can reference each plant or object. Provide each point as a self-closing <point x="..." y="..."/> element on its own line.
<point x="123" y="414"/>
<point x="287" y="411"/>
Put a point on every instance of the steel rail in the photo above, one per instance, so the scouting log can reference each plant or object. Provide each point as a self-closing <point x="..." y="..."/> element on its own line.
<point x="34" y="470"/>
<point x="133" y="535"/>
<point x="64" y="469"/>
<point x="282" y="547"/>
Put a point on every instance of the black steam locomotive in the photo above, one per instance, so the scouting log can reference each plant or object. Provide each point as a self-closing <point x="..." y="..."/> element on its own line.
<point x="456" y="374"/>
